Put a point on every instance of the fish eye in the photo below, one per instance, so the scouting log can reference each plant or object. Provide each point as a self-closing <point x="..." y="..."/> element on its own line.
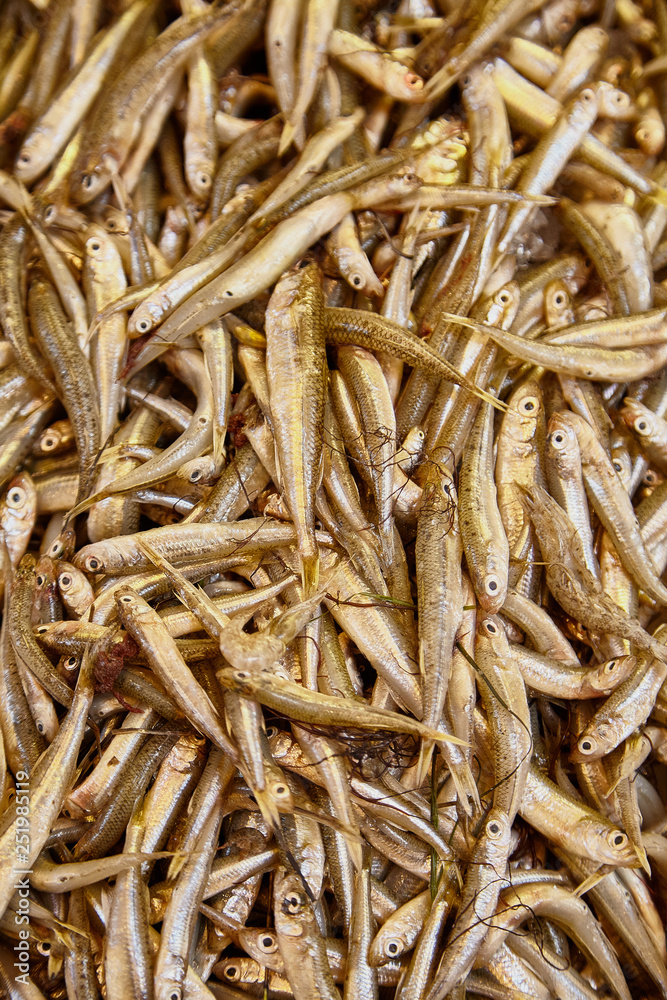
<point x="393" y="948"/>
<point x="650" y="478"/>
<point x="65" y="581"/>
<point x="43" y="947"/>
<point x="293" y="902"/>
<point x="490" y="627"/>
<point x="617" y="465"/>
<point x="143" y="325"/>
<point x="49" y="442"/>
<point x="24" y="158"/>
<point x="356" y="280"/>
<point x="617" y="839"/>
<point x="494" y="828"/>
<point x="642" y="426"/>
<point x="268" y="944"/>
<point x="491" y="585"/>
<point x="587" y="745"/>
<point x="504" y="298"/>
<point x="41" y="580"/>
<point x="71" y="662"/>
<point x="126" y="599"/>
<point x="272" y="732"/>
<point x="176" y="993"/>
<point x="233" y="973"/>
<point x="40" y="726"/>
<point x="282" y="791"/>
<point x="87" y="181"/>
<point x="16" y="497"/>
<point x="529" y="404"/>
<point x="611" y="666"/>
<point x="42" y="630"/>
<point x="93" y="564"/>
<point x="204" y="180"/>
<point x="559" y="299"/>
<point x="558" y="440"/>
<point x="94" y="246"/>
<point x="196" y="475"/>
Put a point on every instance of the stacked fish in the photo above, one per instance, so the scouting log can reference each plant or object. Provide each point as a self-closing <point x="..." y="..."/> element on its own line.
<point x="333" y="459"/>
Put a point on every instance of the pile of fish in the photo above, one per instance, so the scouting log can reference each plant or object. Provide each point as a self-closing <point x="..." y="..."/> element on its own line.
<point x="333" y="515"/>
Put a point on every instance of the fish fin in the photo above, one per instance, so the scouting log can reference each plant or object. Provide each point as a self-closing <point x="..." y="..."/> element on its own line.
<point x="590" y="883"/>
<point x="287" y="137"/>
<point x="640" y="851"/>
<point x="310" y="573"/>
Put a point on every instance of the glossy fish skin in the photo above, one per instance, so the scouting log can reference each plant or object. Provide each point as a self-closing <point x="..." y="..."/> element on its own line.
<point x="613" y="506"/>
<point x="626" y="708"/>
<point x="361" y="978"/>
<point x="550" y="676"/>
<point x="484" y="879"/>
<point x="346" y="504"/>
<point x="50" y="133"/>
<point x="520" y="455"/>
<point x="182" y="911"/>
<point x="386" y="637"/>
<point x="319" y="19"/>
<point x="12" y="308"/>
<point x="439" y="585"/>
<point x="72" y="373"/>
<point x="50" y="782"/>
<point x="368" y="386"/>
<point x="19" y="630"/>
<point x="572" y="583"/>
<point x="297" y="373"/>
<point x="276" y="691"/>
<point x="269" y="257"/>
<point x="18" y="510"/>
<point x="482" y="531"/>
<point x="504" y="698"/>
<point x="105" y="281"/>
<point x="147" y="628"/>
<point x="650" y="427"/>
<point x="572" y="825"/>
<point x="22" y="743"/>
<point x="566" y="483"/>
<point x="550" y="155"/>
<point x="301" y="945"/>
<point x="401" y="930"/>
<point x="129" y="99"/>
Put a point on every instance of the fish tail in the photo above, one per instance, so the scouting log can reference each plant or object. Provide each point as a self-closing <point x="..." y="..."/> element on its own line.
<point x="658" y="195"/>
<point x="292" y="133"/>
